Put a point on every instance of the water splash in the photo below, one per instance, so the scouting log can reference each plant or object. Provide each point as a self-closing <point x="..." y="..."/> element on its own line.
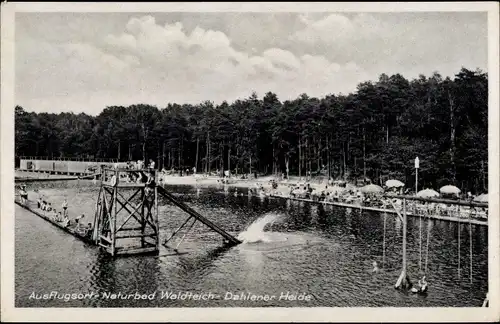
<point x="255" y="232"/>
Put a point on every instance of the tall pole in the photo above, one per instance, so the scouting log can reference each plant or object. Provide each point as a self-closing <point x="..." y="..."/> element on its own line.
<point x="417" y="165"/>
<point x="416" y="180"/>
<point x="403" y="280"/>
<point x="404" y="238"/>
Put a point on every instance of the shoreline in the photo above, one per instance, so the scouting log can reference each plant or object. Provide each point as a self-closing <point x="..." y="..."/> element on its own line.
<point x="203" y="180"/>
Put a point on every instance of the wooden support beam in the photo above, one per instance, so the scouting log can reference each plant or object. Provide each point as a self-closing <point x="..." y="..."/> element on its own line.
<point x="155" y="220"/>
<point x="105" y="238"/>
<point x="131" y="251"/>
<point x="129" y="216"/>
<point x="113" y="232"/>
<point x="133" y="206"/>
<point x="102" y="245"/>
<point x="128" y="199"/>
<point x="135" y="236"/>
<point x="124" y="206"/>
<point x="177" y="230"/>
<point x="130" y="229"/>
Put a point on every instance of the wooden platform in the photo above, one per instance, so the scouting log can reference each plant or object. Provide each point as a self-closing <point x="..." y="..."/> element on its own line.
<point x="25" y="179"/>
<point x="124" y="185"/>
<point x="69" y="229"/>
<point x="476" y="221"/>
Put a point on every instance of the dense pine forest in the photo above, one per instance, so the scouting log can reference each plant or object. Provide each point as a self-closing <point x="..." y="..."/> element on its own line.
<point x="375" y="133"/>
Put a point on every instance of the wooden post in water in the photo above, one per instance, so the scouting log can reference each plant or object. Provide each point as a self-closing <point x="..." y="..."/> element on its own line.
<point x="470" y="246"/>
<point x="155" y="219"/>
<point x="143" y="219"/>
<point x="404" y="236"/>
<point x="458" y="214"/>
<point x="403" y="280"/>
<point x="113" y="208"/>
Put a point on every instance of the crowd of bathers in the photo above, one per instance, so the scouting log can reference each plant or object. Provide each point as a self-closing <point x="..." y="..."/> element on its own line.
<point x="341" y="192"/>
<point x="62" y="216"/>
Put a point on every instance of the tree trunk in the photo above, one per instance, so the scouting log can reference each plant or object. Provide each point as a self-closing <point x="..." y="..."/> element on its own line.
<point x="452" y="136"/>
<point x="483" y="175"/>
<point x="364" y="153"/>
<point x="300" y="159"/>
<point x="179" y="155"/>
<point x="221" y="158"/>
<point x="328" y="165"/>
<point x="274" y="160"/>
<point x="158" y="155"/>
<point x="238" y="160"/>
<point x="348" y="153"/>
<point x="182" y="153"/>
<point x="318" y="154"/>
<point x="287" y="160"/>
<point x="307" y="158"/>
<point x="229" y="160"/>
<point x="144" y="151"/>
<point x="119" y="150"/>
<point x="387" y="134"/>
<point x="344" y="170"/>
<point x="162" y="155"/>
<point x="207" y="155"/>
<point x="197" y="150"/>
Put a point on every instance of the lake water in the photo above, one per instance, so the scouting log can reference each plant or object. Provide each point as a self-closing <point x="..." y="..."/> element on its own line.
<point x="292" y="247"/>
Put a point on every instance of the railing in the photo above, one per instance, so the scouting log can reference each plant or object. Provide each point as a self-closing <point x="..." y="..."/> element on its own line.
<point x="469" y="203"/>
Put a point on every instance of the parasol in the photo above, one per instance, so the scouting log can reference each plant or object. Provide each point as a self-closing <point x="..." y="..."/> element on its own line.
<point x="427" y="193"/>
<point x="371" y="188"/>
<point x="449" y="189"/>
<point x="394" y="184"/>
<point x="482" y="198"/>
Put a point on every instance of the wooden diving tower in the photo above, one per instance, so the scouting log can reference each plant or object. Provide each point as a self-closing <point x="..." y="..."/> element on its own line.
<point x="126" y="218"/>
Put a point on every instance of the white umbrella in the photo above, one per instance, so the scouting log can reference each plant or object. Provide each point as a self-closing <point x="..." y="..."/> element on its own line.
<point x="394" y="184"/>
<point x="427" y="193"/>
<point x="372" y="188"/>
<point x="482" y="198"/>
<point x="449" y="189"/>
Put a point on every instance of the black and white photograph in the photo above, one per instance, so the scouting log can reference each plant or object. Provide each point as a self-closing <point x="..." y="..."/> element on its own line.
<point x="250" y="158"/>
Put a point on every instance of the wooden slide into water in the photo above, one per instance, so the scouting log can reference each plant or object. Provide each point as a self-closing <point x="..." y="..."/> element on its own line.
<point x="231" y="239"/>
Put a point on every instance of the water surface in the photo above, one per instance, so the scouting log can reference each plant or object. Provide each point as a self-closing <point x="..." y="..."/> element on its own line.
<point x="292" y="247"/>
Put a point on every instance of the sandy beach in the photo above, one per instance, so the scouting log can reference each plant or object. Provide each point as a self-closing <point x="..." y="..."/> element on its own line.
<point x="265" y="181"/>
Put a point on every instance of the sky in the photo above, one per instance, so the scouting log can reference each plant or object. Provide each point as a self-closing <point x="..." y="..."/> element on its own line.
<point x="83" y="62"/>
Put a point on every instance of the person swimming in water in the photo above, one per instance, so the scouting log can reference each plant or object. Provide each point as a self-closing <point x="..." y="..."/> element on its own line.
<point x="65" y="207"/>
<point x="375" y="267"/>
<point x="423" y="284"/>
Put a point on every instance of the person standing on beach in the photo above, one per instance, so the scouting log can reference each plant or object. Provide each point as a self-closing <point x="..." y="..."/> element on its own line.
<point x="65" y="207"/>
<point x="23" y="194"/>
